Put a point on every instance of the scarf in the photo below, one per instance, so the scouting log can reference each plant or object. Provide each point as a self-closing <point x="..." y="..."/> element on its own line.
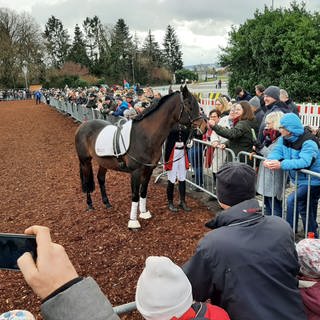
<point x="270" y="135"/>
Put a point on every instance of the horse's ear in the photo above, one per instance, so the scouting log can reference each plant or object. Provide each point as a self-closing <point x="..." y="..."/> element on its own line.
<point x="181" y="88"/>
<point x="170" y="90"/>
<point x="185" y="91"/>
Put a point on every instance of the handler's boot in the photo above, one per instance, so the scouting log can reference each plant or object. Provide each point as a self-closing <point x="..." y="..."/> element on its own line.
<point x="182" y="191"/>
<point x="170" y="189"/>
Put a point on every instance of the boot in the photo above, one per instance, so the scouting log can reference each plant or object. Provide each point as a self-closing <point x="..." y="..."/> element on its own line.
<point x="170" y="189"/>
<point x="182" y="191"/>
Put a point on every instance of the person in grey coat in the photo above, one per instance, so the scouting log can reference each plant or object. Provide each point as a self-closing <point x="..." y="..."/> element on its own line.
<point x="270" y="183"/>
<point x="248" y="264"/>
<point x="54" y="279"/>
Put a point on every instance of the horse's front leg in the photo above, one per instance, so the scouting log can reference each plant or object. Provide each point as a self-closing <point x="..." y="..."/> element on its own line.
<point x="102" y="178"/>
<point x="133" y="223"/>
<point x="144" y="213"/>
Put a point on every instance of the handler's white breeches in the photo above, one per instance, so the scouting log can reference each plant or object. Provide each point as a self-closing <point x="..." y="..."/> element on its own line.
<point x="178" y="171"/>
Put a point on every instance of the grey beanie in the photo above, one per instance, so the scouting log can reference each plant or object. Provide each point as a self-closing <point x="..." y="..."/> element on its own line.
<point x="273" y="92"/>
<point x="255" y="102"/>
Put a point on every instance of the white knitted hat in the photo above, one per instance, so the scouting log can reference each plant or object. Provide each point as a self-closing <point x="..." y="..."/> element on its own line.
<point x="309" y="257"/>
<point x="163" y="290"/>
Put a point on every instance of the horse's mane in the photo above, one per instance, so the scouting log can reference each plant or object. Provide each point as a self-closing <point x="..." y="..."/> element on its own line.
<point x="152" y="108"/>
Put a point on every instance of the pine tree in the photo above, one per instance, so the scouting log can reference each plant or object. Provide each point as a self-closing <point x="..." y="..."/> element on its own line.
<point x="78" y="53"/>
<point x="121" y="51"/>
<point x="57" y="41"/>
<point x="151" y="50"/>
<point x="172" y="51"/>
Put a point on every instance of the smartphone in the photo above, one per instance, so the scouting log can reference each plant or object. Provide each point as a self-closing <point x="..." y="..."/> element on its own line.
<point x="12" y="246"/>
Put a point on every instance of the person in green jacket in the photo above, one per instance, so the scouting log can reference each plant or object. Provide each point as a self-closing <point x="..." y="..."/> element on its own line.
<point x="242" y="133"/>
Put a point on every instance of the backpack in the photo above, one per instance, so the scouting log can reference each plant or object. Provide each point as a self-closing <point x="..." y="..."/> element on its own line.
<point x="200" y="310"/>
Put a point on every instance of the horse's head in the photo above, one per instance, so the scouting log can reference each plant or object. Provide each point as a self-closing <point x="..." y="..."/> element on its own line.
<point x="190" y="112"/>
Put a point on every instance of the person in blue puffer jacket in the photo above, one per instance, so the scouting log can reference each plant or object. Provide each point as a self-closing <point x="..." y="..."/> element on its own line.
<point x="296" y="149"/>
<point x="122" y="106"/>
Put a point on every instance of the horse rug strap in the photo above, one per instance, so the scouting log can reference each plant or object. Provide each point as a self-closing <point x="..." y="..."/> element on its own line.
<point x="113" y="140"/>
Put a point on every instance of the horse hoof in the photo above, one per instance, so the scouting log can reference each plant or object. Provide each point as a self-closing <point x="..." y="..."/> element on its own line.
<point x="90" y="208"/>
<point x="108" y="205"/>
<point x="134" y="225"/>
<point x="145" y="215"/>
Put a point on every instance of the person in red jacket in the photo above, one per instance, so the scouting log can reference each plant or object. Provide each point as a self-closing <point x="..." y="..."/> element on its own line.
<point x="164" y="293"/>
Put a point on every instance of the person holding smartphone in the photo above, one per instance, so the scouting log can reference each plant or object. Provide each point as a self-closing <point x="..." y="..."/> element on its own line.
<point x="54" y="279"/>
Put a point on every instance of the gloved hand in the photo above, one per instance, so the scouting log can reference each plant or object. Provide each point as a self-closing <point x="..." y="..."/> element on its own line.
<point x="257" y="146"/>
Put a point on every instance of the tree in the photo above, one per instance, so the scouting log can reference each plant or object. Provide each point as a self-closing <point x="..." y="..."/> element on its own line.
<point x="78" y="53"/>
<point x="184" y="74"/>
<point x="279" y="47"/>
<point x="172" y="53"/>
<point x="151" y="50"/>
<point x="56" y="41"/>
<point x="21" y="43"/>
<point x="121" y="52"/>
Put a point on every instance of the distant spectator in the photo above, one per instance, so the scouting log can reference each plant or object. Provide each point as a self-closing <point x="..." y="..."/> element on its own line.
<point x="92" y="101"/>
<point x="121" y="107"/>
<point x="242" y="94"/>
<point x="259" y="89"/>
<point x="309" y="278"/>
<point x="108" y="106"/>
<point x="272" y="103"/>
<point x="164" y="293"/>
<point x="129" y="99"/>
<point x="38" y="96"/>
<point x="257" y="110"/>
<point x="284" y="97"/>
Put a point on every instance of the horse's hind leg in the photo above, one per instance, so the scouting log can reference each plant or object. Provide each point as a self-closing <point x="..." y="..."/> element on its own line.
<point x="87" y="181"/>
<point x="144" y="213"/>
<point x="102" y="178"/>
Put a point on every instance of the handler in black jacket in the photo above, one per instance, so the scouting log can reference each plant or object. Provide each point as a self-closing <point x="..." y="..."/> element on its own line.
<point x="248" y="264"/>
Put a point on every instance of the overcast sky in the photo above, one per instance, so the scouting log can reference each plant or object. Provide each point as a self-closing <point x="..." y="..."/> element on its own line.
<point x="202" y="26"/>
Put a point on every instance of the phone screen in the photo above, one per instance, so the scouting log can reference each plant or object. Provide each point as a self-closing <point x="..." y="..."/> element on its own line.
<point x="12" y="246"/>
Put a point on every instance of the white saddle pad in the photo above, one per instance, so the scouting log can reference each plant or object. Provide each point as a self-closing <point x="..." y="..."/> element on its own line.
<point x="105" y="143"/>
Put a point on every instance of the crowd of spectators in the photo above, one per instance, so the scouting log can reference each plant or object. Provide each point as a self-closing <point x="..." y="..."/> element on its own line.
<point x="15" y="94"/>
<point x="125" y="102"/>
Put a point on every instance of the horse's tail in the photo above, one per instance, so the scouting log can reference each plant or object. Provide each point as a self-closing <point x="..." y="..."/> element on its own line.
<point x="86" y="176"/>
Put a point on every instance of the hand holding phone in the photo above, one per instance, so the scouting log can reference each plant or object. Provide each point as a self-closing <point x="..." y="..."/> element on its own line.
<point x="53" y="267"/>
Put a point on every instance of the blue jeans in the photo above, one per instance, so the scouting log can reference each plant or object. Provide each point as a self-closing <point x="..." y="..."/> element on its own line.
<point x="196" y="158"/>
<point x="302" y="193"/>
<point x="277" y="209"/>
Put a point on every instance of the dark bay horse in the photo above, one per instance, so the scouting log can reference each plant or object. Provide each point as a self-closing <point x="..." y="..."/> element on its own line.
<point x="148" y="133"/>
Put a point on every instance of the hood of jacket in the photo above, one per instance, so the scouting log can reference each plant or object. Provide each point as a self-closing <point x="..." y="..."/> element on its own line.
<point x="243" y="212"/>
<point x="292" y="123"/>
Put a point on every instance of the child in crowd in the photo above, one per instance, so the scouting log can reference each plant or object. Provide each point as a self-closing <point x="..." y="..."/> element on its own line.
<point x="164" y="292"/>
<point x="309" y="279"/>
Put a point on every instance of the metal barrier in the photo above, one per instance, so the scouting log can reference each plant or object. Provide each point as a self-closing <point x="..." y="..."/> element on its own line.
<point x="201" y="174"/>
<point x="287" y="189"/>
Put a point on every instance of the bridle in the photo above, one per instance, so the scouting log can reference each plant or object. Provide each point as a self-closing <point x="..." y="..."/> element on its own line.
<point x="183" y="108"/>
